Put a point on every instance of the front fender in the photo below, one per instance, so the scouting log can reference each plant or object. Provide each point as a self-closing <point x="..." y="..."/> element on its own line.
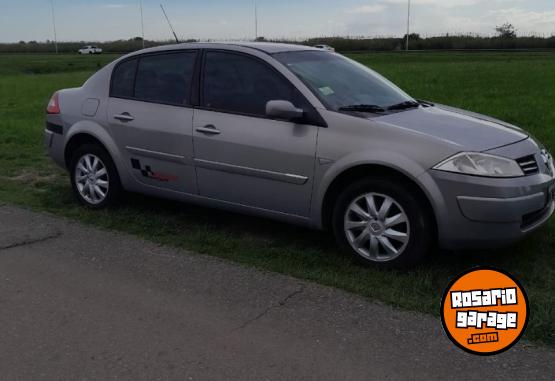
<point x="385" y="158"/>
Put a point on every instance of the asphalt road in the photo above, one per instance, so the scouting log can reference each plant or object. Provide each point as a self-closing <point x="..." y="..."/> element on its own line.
<point x="77" y="303"/>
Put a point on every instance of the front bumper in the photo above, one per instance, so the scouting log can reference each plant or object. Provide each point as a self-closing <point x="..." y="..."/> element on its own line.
<point x="526" y="210"/>
<point x="478" y="213"/>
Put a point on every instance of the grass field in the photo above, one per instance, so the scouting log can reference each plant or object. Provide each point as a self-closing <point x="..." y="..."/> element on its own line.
<point x="516" y="87"/>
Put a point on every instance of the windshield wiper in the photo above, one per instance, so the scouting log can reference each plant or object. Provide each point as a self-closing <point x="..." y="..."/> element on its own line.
<point x="375" y="108"/>
<point x="362" y="108"/>
<point x="404" y="105"/>
<point x="426" y="103"/>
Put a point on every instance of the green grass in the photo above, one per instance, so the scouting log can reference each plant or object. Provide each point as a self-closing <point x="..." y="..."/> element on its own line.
<point x="519" y="88"/>
<point x="11" y="64"/>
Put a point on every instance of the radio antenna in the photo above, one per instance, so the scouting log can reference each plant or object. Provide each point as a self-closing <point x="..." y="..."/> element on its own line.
<point x="169" y="23"/>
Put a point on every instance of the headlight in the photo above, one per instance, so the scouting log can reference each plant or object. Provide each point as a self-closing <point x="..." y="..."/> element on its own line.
<point x="481" y="164"/>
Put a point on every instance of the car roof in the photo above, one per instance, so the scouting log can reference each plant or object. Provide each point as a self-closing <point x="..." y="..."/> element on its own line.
<point x="274" y="47"/>
<point x="266" y="47"/>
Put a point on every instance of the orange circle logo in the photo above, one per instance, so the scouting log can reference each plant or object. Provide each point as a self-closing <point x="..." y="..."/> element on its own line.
<point x="484" y="311"/>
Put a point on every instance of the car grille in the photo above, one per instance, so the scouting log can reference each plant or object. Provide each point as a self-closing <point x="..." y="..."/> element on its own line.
<point x="528" y="164"/>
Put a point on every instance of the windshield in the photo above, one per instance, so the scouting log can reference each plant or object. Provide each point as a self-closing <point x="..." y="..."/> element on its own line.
<point x="340" y="82"/>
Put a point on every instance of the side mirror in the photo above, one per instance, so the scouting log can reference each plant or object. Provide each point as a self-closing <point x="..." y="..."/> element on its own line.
<point x="283" y="110"/>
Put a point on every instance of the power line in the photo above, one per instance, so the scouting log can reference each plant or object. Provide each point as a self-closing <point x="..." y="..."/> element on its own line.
<point x="255" y="20"/>
<point x="54" y="25"/>
<point x="142" y="23"/>
<point x="408" y="25"/>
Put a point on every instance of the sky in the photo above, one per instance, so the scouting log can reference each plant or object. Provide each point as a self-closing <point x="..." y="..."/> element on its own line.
<point x="103" y="20"/>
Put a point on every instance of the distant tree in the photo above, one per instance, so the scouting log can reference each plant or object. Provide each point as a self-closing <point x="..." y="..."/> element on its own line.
<point x="21" y="42"/>
<point x="137" y="39"/>
<point x="506" y="30"/>
<point x="412" y="37"/>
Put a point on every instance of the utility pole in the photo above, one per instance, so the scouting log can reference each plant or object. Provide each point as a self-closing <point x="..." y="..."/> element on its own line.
<point x="54" y="25"/>
<point x="408" y="25"/>
<point x="255" y="20"/>
<point x="142" y="23"/>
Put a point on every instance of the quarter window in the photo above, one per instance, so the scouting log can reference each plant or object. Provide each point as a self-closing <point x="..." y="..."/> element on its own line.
<point x="123" y="79"/>
<point x="240" y="84"/>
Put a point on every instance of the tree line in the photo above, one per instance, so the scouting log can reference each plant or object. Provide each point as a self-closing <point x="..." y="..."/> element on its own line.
<point x="341" y="44"/>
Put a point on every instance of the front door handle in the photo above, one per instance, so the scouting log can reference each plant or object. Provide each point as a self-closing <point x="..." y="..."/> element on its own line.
<point x="125" y="117"/>
<point x="209" y="130"/>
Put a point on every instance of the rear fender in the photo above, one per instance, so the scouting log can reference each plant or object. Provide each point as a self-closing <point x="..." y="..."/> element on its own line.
<point x="95" y="130"/>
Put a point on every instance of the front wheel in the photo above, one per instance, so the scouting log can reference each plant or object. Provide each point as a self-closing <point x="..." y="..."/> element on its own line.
<point x="382" y="221"/>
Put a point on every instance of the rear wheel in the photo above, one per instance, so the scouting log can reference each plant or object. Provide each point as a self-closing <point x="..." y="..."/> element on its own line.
<point x="94" y="177"/>
<point x="381" y="221"/>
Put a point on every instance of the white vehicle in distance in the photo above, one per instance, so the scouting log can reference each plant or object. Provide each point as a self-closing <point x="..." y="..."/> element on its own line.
<point x="90" y="49"/>
<point x="325" y="47"/>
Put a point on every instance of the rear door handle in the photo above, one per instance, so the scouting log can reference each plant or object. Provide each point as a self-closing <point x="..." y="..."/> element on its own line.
<point x="125" y="117"/>
<point x="209" y="130"/>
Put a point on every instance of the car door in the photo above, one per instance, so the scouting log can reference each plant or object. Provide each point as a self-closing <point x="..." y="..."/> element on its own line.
<point x="151" y="120"/>
<point x="242" y="156"/>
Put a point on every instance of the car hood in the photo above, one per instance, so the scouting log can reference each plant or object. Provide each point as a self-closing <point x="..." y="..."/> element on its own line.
<point x="466" y="130"/>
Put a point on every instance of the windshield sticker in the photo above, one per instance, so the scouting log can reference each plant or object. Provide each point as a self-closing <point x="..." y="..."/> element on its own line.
<point x="326" y="90"/>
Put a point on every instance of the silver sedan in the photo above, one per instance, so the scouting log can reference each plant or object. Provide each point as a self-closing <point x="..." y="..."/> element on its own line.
<point x="305" y="136"/>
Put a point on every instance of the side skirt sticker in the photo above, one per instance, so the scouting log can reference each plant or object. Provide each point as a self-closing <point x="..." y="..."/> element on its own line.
<point x="150" y="174"/>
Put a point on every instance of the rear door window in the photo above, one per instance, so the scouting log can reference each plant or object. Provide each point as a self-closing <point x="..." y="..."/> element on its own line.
<point x="165" y="78"/>
<point x="160" y="78"/>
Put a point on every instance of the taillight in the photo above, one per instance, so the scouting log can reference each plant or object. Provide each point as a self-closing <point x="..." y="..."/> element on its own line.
<point x="54" y="105"/>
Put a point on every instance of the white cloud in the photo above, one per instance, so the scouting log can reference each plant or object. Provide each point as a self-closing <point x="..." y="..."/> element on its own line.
<point x="367" y="9"/>
<point x="519" y="15"/>
<point x="115" y="6"/>
<point x="441" y="3"/>
<point x="526" y="21"/>
<point x="438" y="17"/>
<point x="448" y="3"/>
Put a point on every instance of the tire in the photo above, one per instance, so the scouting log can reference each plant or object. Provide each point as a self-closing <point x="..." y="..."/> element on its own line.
<point x="375" y="238"/>
<point x="92" y="186"/>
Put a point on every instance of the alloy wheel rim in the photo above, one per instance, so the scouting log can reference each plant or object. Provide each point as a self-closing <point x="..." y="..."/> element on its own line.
<point x="91" y="179"/>
<point x="377" y="227"/>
